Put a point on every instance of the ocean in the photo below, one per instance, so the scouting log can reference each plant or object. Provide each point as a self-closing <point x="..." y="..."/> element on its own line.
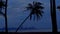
<point x="27" y="30"/>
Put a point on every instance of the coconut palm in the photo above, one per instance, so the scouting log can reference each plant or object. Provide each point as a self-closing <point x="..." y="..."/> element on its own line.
<point x="53" y="15"/>
<point x="2" y="5"/>
<point x="36" y="9"/>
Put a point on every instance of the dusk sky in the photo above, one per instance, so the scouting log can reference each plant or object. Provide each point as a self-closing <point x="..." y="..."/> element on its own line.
<point x="16" y="14"/>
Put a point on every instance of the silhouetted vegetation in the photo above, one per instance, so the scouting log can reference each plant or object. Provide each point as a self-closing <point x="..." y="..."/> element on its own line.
<point x="4" y="5"/>
<point x="53" y="16"/>
<point x="58" y="7"/>
<point x="36" y="9"/>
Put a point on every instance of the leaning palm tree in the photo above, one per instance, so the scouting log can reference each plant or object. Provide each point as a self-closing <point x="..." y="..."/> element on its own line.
<point x="4" y="5"/>
<point x="36" y="9"/>
<point x="53" y="15"/>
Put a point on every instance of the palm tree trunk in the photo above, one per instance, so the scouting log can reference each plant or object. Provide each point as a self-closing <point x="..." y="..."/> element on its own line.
<point x="23" y="22"/>
<point x="6" y="26"/>
<point x="53" y="16"/>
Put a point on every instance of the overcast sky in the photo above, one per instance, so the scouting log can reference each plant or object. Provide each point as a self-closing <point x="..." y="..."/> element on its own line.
<point x="16" y="15"/>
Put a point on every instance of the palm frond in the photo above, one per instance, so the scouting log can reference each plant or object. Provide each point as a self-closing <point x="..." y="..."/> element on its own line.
<point x="29" y="7"/>
<point x="35" y="8"/>
<point x="58" y="7"/>
<point x="40" y="12"/>
<point x="2" y="4"/>
<point x="38" y="17"/>
<point x="30" y="16"/>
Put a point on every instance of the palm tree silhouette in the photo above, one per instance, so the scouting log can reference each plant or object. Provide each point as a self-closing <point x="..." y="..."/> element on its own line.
<point x="53" y="16"/>
<point x="36" y="9"/>
<point x="2" y="5"/>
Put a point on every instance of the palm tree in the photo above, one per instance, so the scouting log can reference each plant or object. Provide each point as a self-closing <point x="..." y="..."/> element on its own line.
<point x="53" y="16"/>
<point x="6" y="26"/>
<point x="2" y="5"/>
<point x="36" y="9"/>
